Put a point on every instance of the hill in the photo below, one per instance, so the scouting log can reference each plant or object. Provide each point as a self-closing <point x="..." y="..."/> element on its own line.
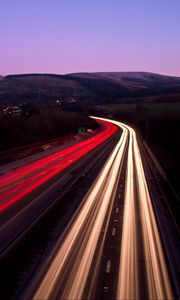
<point x="86" y="87"/>
<point x="134" y="80"/>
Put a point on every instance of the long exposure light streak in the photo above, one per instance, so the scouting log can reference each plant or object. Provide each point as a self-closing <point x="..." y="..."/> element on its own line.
<point x="17" y="184"/>
<point x="85" y="228"/>
<point x="128" y="273"/>
<point x="66" y="276"/>
<point x="158" y="282"/>
<point x="159" y="286"/>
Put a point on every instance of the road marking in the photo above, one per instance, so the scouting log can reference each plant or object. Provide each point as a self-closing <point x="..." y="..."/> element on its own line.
<point x="108" y="267"/>
<point x="117" y="210"/>
<point x="106" y="289"/>
<point x="115" y="220"/>
<point x="113" y="231"/>
<point x="119" y="196"/>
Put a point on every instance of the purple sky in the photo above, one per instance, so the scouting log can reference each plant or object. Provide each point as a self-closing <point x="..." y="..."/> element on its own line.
<point x="64" y="36"/>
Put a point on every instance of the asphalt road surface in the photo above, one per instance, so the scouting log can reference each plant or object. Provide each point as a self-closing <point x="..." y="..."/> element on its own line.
<point x="112" y="248"/>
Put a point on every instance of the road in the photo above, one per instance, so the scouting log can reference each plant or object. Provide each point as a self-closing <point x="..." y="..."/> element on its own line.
<point x="16" y="184"/>
<point x="27" y="191"/>
<point x="80" y="268"/>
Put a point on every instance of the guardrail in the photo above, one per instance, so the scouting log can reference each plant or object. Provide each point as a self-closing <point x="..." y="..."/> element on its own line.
<point x="160" y="169"/>
<point x="156" y="162"/>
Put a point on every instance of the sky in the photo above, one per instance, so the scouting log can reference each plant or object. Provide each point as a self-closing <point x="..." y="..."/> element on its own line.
<point x="66" y="36"/>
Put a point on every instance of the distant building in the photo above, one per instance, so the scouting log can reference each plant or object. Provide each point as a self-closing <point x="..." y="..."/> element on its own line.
<point x="10" y="110"/>
<point x="71" y="100"/>
<point x="56" y="102"/>
<point x="16" y="110"/>
<point x="6" y="110"/>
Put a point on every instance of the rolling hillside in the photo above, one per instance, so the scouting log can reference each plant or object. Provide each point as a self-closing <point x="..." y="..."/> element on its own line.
<point x="86" y="87"/>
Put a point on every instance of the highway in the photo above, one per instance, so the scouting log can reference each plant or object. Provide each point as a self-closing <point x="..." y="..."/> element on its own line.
<point x="79" y="266"/>
<point x="28" y="191"/>
<point x="17" y="184"/>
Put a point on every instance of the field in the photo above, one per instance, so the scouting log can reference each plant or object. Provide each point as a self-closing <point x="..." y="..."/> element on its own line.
<point x="146" y="108"/>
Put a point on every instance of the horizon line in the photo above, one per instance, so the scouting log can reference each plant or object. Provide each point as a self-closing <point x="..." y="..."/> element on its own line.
<point x="85" y="72"/>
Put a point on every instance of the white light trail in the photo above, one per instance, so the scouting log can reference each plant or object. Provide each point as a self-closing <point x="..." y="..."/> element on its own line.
<point x="71" y="265"/>
<point x="86" y="226"/>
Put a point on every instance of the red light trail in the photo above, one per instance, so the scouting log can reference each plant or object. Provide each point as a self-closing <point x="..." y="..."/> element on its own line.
<point x="19" y="183"/>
